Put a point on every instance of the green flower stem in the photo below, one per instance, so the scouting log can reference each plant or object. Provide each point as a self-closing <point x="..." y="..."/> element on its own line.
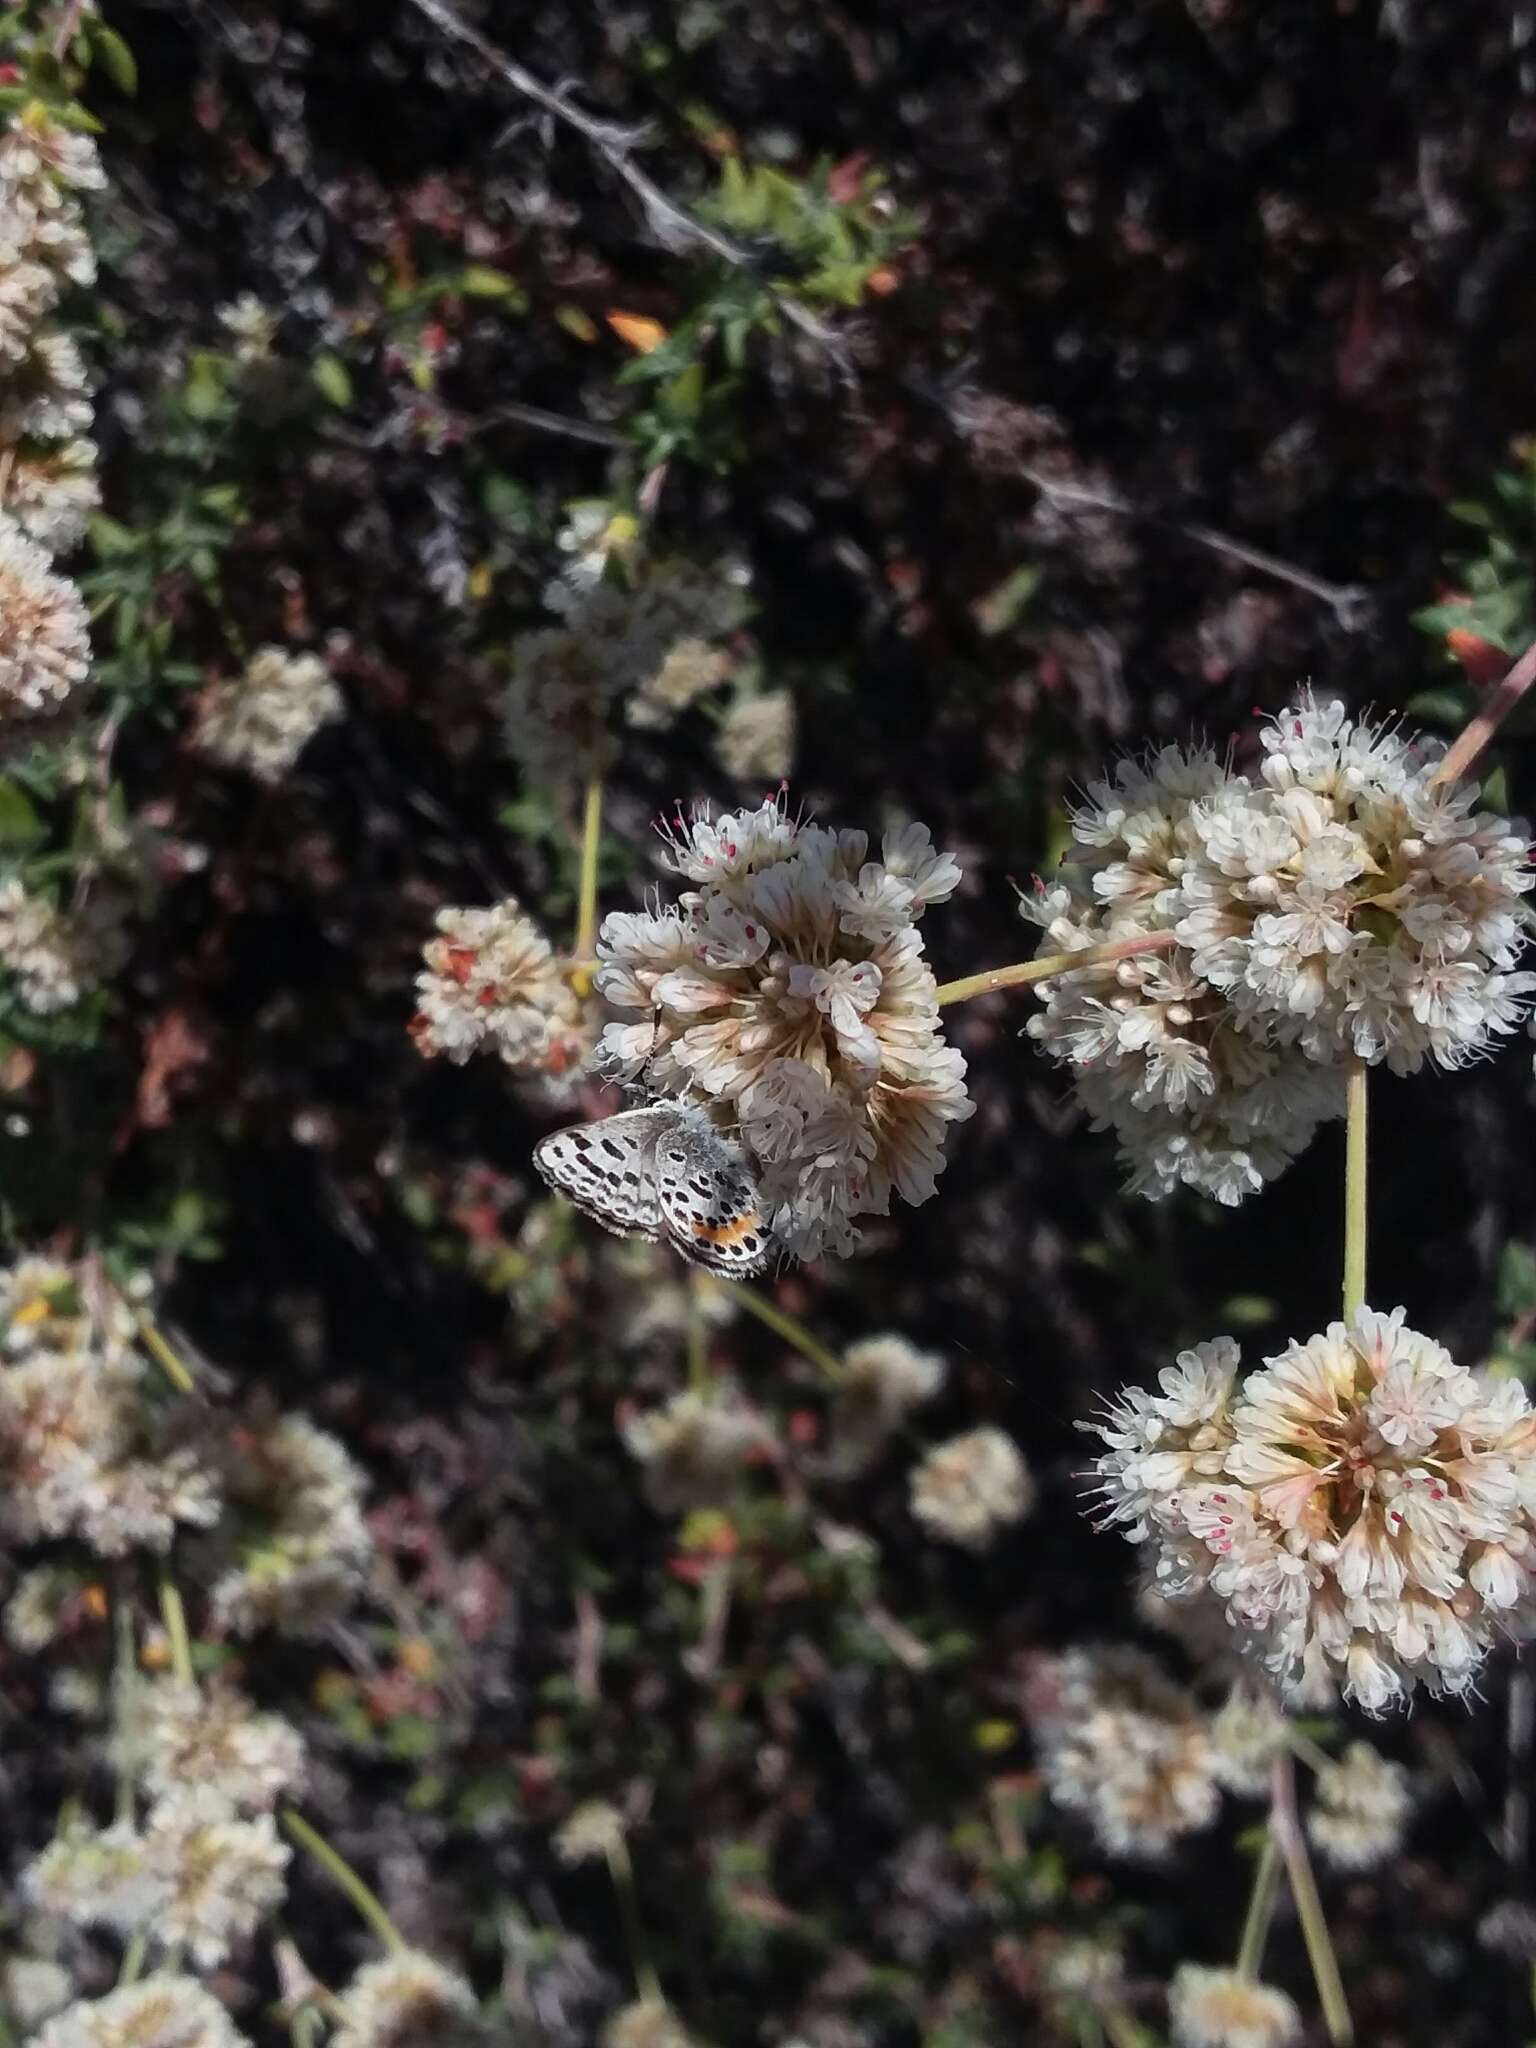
<point x="133" y="1960"/>
<point x="1046" y="965"/>
<point x="586" y="892"/>
<point x="698" y="1332"/>
<point x="1285" y="1824"/>
<point x="789" y="1327"/>
<point x="336" y="1867"/>
<point x="1303" y="1746"/>
<point x="1261" y="1908"/>
<point x="125" y="1680"/>
<point x="167" y="1360"/>
<point x="174" y="1615"/>
<point x="1355" y="1190"/>
<point x="622" y="1871"/>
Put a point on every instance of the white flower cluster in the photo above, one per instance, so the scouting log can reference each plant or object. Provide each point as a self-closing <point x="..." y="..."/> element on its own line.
<point x="407" y="2001"/>
<point x="56" y="957"/>
<point x="1125" y="1747"/>
<point x="755" y="741"/>
<point x="787" y="989"/>
<point x="1221" y="2009"/>
<point x="82" y="1452"/>
<point x="493" y="981"/>
<point x="648" y="2023"/>
<point x="1361" y="1507"/>
<point x="1342" y="903"/>
<point x="48" y="484"/>
<point x="884" y="1378"/>
<point x="215" y="1741"/>
<point x="971" y="1488"/>
<point x="1247" y="1733"/>
<point x="693" y="1449"/>
<point x="164" y="2011"/>
<point x="263" y="719"/>
<point x="1362" y="1805"/>
<point x="650" y="636"/>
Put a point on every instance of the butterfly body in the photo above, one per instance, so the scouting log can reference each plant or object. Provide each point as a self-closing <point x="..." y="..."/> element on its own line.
<point x="662" y="1172"/>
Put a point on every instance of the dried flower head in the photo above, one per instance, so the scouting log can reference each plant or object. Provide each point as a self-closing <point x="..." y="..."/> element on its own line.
<point x="214" y="1740"/>
<point x="45" y="644"/>
<point x="787" y="990"/>
<point x="408" y="2001"/>
<point x="263" y="719"/>
<point x="292" y="1555"/>
<point x="884" y="1378"/>
<point x="164" y="2011"/>
<point x="220" y="1876"/>
<point x="1342" y="903"/>
<point x="1358" y="1506"/>
<point x="1126" y="1748"/>
<point x="970" y="1488"/>
<point x="693" y="1449"/>
<point x="593" y="1832"/>
<point x="1362" y="1807"/>
<point x="492" y="980"/>
<point x="1220" y="2009"/>
<point x="756" y="739"/>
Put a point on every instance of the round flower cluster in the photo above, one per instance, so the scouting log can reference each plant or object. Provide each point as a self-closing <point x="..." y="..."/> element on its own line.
<point x="55" y="957"/>
<point x="883" y="1380"/>
<point x="755" y="741"/>
<point x="47" y="466"/>
<point x="408" y="1999"/>
<point x="1343" y="903"/>
<point x="263" y="719"/>
<point x="971" y="1488"/>
<point x="787" y="990"/>
<point x="214" y="1741"/>
<point x="1362" y="1804"/>
<point x="1126" y="1748"/>
<point x="1247" y="1733"/>
<point x="693" y="1449"/>
<point x="45" y="644"/>
<point x="1361" y="1507"/>
<point x="492" y="980"/>
<point x="82" y="1452"/>
<point x="650" y="636"/>
<point x="164" y="2011"/>
<point x="1221" y="2009"/>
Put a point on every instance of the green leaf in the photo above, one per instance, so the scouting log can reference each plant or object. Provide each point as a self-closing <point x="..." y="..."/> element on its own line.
<point x="332" y="380"/>
<point x="20" y="825"/>
<point x="484" y="281"/>
<point x="116" y="58"/>
<point x="1517" y="1280"/>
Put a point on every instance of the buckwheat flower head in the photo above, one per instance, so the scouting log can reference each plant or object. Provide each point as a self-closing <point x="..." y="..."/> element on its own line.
<point x="293" y="1553"/>
<point x="591" y="1833"/>
<point x="34" y="1988"/>
<point x="1247" y="1733"/>
<point x="408" y="2001"/>
<point x="221" y="1876"/>
<point x="693" y="1449"/>
<point x="1341" y="903"/>
<point x="263" y="719"/>
<point x="54" y="957"/>
<point x="648" y="2023"/>
<point x="756" y="738"/>
<point x="787" y="991"/>
<point x="47" y="396"/>
<point x="45" y="647"/>
<point x="96" y="1877"/>
<point x="492" y="980"/>
<point x="38" y="148"/>
<point x="51" y="493"/>
<point x="1362" y="1804"/>
<point x="29" y="291"/>
<point x="969" y="1489"/>
<point x="1126" y="1748"/>
<point x="38" y="1610"/>
<point x="883" y="1380"/>
<point x="214" y="1740"/>
<point x="1361" y="1507"/>
<point x="1220" y="2009"/>
<point x="163" y="2011"/>
<point x="689" y="670"/>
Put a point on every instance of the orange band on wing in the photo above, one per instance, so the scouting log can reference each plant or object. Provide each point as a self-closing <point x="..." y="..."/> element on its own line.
<point x="728" y="1233"/>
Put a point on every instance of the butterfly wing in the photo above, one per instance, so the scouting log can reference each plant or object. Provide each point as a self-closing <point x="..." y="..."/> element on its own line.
<point x="708" y="1203"/>
<point x="605" y="1169"/>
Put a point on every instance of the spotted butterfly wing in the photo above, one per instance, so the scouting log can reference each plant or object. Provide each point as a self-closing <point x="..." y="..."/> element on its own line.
<point x="708" y="1201"/>
<point x="606" y="1169"/>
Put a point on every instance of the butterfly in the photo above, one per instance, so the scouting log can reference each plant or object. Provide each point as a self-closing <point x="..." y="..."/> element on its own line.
<point x="663" y="1172"/>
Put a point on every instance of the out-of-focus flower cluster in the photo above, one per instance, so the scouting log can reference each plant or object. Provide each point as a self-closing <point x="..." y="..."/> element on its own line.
<point x="787" y="989"/>
<point x="47" y="464"/>
<point x="647" y="631"/>
<point x="1342" y="903"/>
<point x="492" y="981"/>
<point x="1361" y="1507"/>
<point x="264" y="718"/>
